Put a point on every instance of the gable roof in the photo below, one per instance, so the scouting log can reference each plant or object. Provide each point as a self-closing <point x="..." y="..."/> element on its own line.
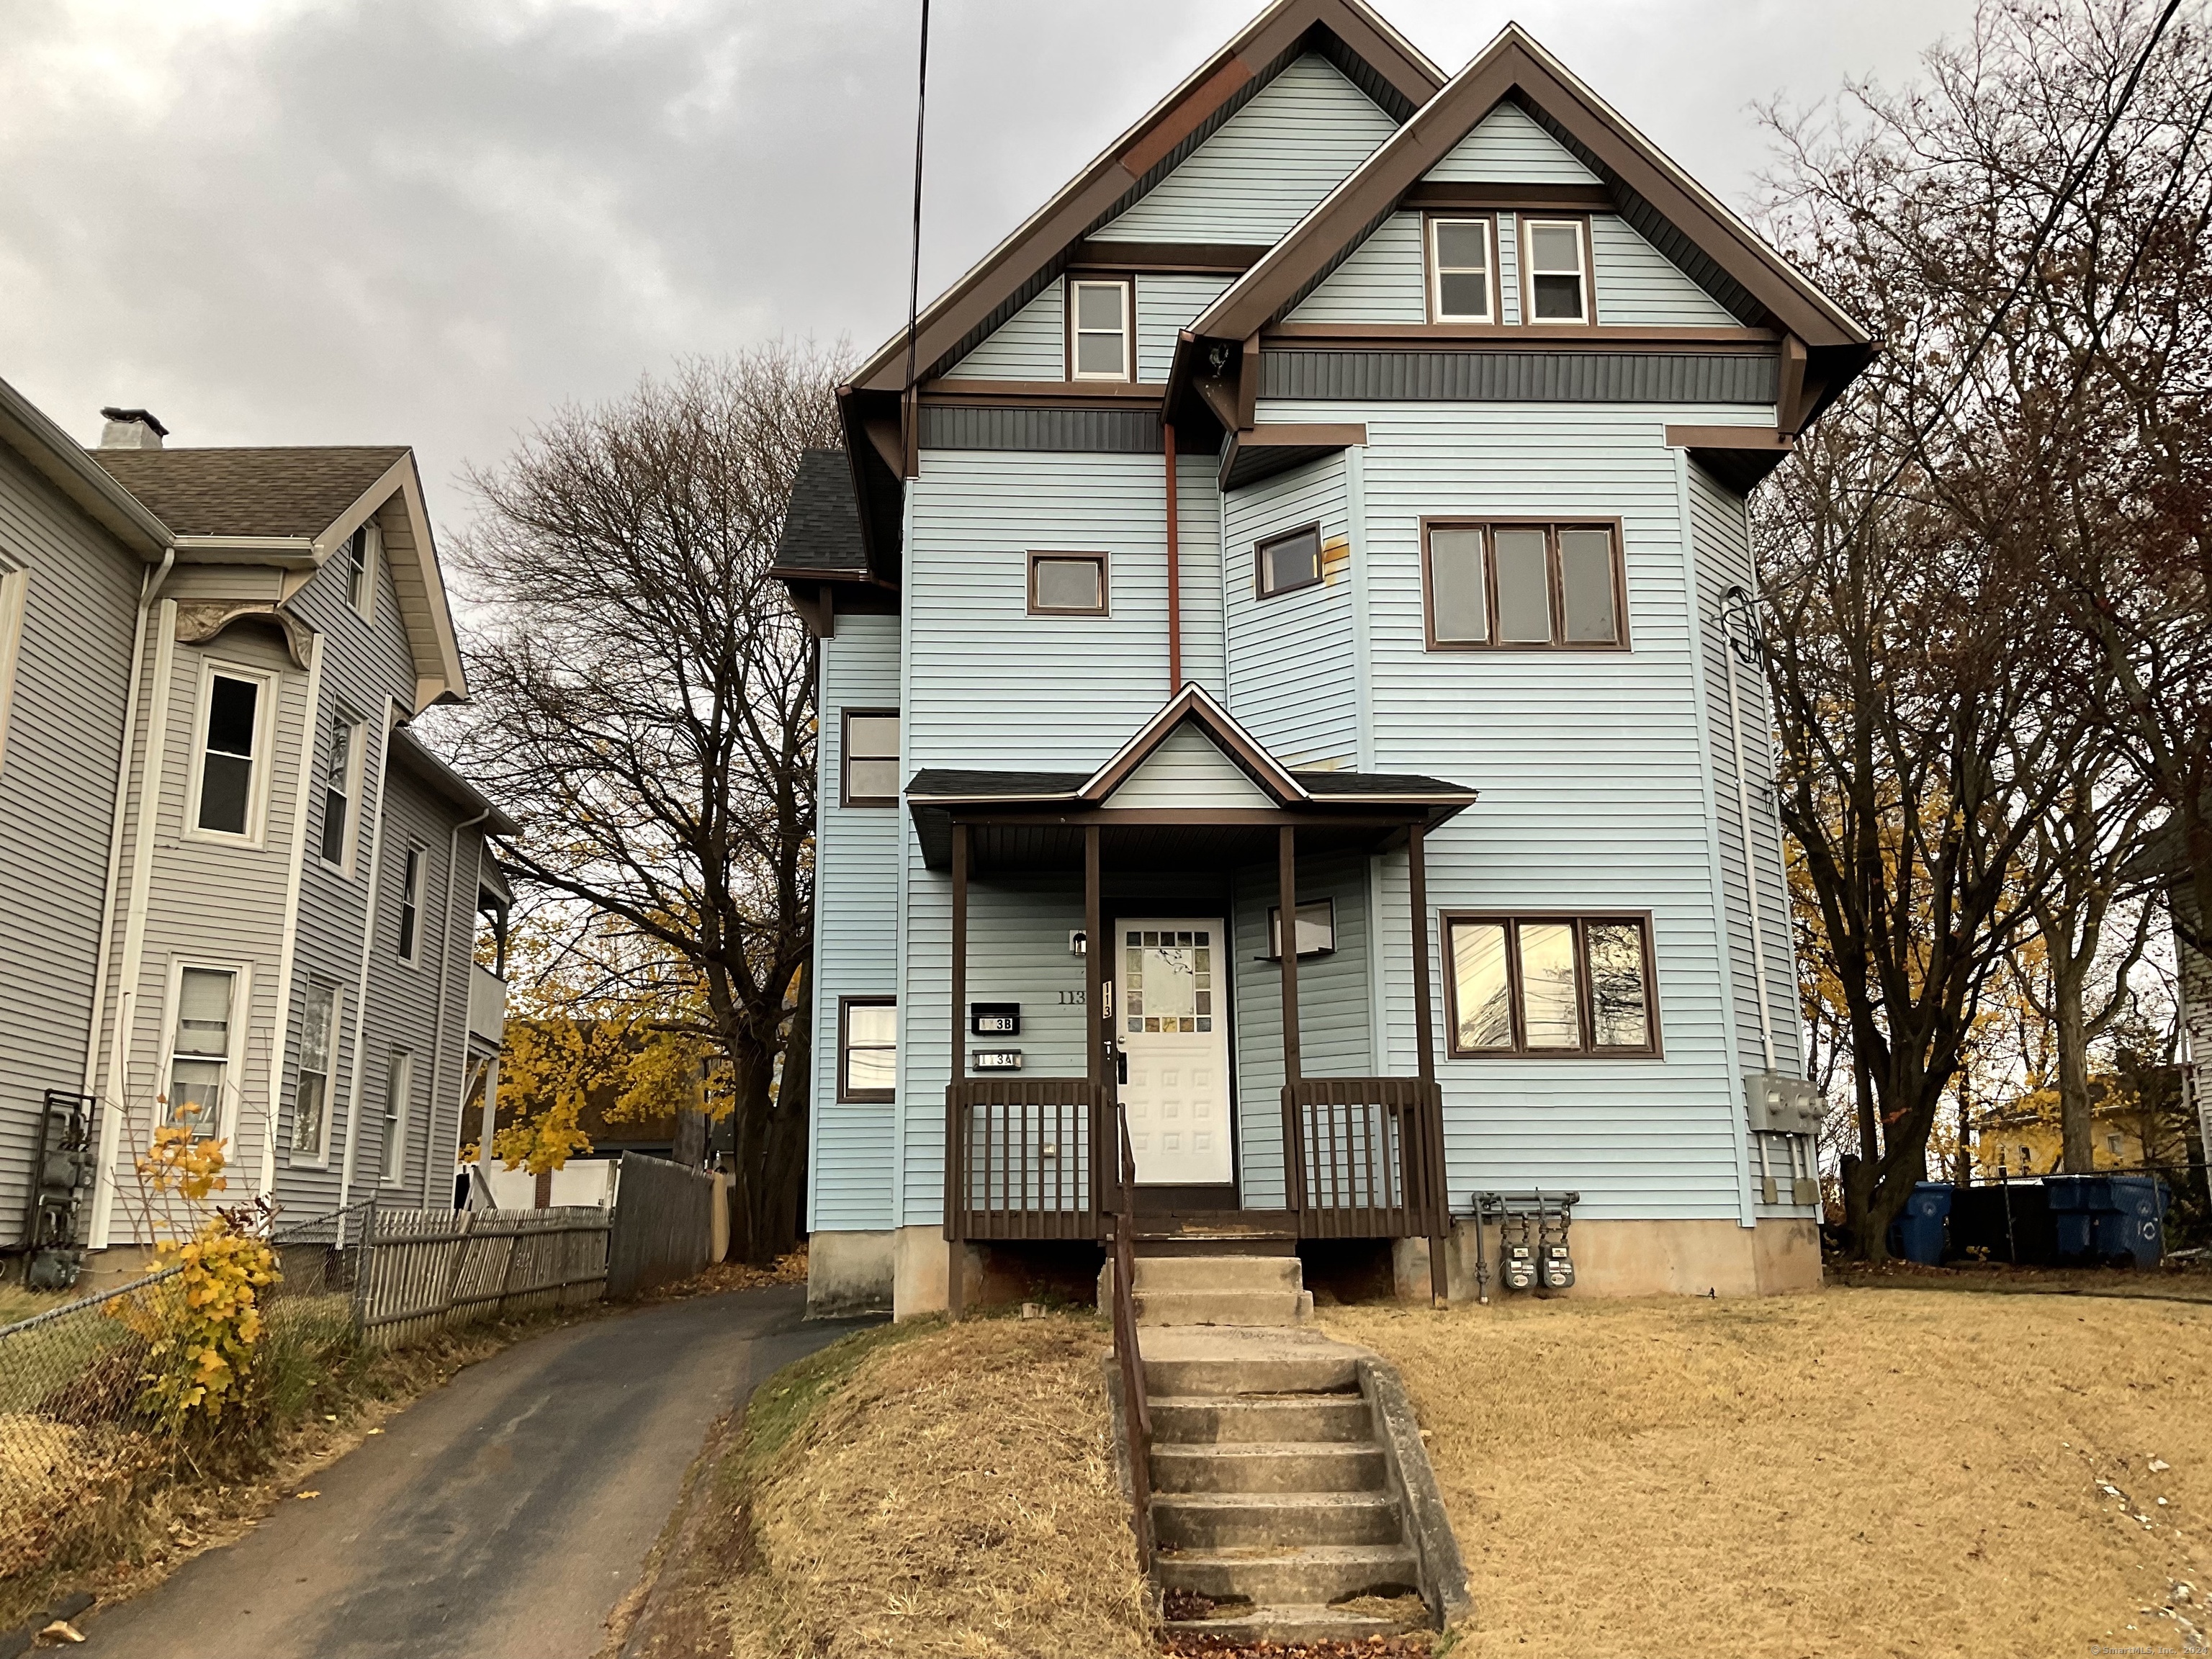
<point x="291" y="493"/>
<point x="821" y="527"/>
<point x="1373" y="56"/>
<point x="1657" y="199"/>
<point x="65" y="464"/>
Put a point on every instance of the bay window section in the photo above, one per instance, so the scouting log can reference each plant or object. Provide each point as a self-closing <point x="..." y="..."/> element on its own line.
<point x="1521" y="586"/>
<point x="1549" y="986"/>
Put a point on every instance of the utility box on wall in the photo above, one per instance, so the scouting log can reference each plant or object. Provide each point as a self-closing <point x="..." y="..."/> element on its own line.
<point x="1782" y="1105"/>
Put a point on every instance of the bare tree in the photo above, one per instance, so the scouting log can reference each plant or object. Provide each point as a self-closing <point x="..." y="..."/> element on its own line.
<point x="646" y="711"/>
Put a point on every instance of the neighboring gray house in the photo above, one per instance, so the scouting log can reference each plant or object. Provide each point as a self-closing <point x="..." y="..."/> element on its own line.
<point x="1315" y="508"/>
<point x="279" y="930"/>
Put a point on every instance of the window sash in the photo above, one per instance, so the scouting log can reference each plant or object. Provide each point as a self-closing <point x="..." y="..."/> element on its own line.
<point x="1287" y="563"/>
<point x="1563" y="987"/>
<point x="199" y="1049"/>
<point x="410" y="903"/>
<point x="398" y="1094"/>
<point x="867" y="1048"/>
<point x="359" y="567"/>
<point x="1056" y="569"/>
<point x="337" y="847"/>
<point x="1098" y="351"/>
<point x="1548" y="281"/>
<point x="230" y="734"/>
<point x="1449" y="271"/>
<point x="319" y="1025"/>
<point x="1491" y="586"/>
<point x="870" y="756"/>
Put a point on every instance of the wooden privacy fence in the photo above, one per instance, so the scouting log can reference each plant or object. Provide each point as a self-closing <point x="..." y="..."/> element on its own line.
<point x="422" y="1271"/>
<point x="663" y="1225"/>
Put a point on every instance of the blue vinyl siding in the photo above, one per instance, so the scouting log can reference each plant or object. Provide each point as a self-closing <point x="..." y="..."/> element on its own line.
<point x="1166" y="304"/>
<point x="1029" y="345"/>
<point x="1380" y="281"/>
<point x="1507" y="147"/>
<point x="856" y="932"/>
<point x="1638" y="284"/>
<point x="1292" y="675"/>
<point x="1198" y="523"/>
<point x="1298" y="137"/>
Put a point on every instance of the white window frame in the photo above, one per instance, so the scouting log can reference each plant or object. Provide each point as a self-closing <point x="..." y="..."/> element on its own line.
<point x="371" y="543"/>
<point x="320" y="1156"/>
<point x="399" y="1064"/>
<point x="356" y="745"/>
<point x="1584" y="277"/>
<point x="1128" y="372"/>
<point x="256" y="786"/>
<point x="414" y="859"/>
<point x="1437" y="312"/>
<point x="15" y="591"/>
<point x="229" y="1094"/>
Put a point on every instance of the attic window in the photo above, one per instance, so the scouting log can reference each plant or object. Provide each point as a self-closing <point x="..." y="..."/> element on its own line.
<point x="1460" y="268"/>
<point x="360" y="550"/>
<point x="1098" y="331"/>
<point x="1559" y="278"/>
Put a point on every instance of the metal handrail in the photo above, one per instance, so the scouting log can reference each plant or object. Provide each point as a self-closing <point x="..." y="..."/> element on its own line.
<point x="1137" y="1410"/>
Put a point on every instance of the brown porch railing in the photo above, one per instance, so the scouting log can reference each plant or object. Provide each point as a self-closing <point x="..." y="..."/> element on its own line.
<point x="1136" y="1406"/>
<point x="1023" y="1160"/>
<point x="1366" y="1156"/>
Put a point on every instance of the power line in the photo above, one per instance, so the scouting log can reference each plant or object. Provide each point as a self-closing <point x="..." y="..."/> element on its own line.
<point x="914" y="274"/>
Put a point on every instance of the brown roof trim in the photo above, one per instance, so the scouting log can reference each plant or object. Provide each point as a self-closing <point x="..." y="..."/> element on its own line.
<point x="1375" y="56"/>
<point x="1048" y="394"/>
<point x="1515" y="66"/>
<point x="1192" y="705"/>
<point x="1262" y="452"/>
<point x="1455" y="193"/>
<point x="1518" y="337"/>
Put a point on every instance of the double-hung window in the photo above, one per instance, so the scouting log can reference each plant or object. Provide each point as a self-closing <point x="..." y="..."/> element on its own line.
<point x="398" y="1090"/>
<point x="872" y="757"/>
<point x="1550" y="985"/>
<point x="310" y="1109"/>
<point x="340" y="793"/>
<point x="199" y="1049"/>
<point x="867" y="1048"/>
<point x="1556" y="287"/>
<point x="1461" y="271"/>
<point x="1098" y="318"/>
<point x="14" y="589"/>
<point x="360" y="550"/>
<point x="1518" y="586"/>
<point x="410" y="905"/>
<point x="227" y="787"/>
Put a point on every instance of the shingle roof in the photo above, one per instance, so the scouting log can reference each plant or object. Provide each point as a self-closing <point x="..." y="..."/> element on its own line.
<point x="248" y="492"/>
<point x="1376" y="783"/>
<point x="821" y="532"/>
<point x="941" y="783"/>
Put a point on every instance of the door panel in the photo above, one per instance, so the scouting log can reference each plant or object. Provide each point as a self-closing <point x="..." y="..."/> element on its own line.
<point x="1174" y="1032"/>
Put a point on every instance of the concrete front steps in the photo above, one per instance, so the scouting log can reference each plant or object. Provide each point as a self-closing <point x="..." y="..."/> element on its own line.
<point x="1244" y="1290"/>
<point x="1272" y="1494"/>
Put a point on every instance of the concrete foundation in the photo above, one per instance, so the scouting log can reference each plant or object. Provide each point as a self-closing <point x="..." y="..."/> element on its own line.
<point x="849" y="1274"/>
<point x="1641" y="1258"/>
<point x="921" y="1272"/>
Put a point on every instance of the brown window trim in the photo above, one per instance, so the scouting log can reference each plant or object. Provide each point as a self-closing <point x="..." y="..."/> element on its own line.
<point x="845" y="795"/>
<point x="1621" y="641"/>
<point x="1128" y="282"/>
<point x="1262" y="593"/>
<point x="844" y="1049"/>
<point x="1429" y="272"/>
<point x="1524" y="274"/>
<point x="1105" y="583"/>
<point x="1580" y="921"/>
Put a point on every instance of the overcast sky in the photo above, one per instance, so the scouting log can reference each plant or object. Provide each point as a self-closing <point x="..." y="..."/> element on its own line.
<point x="429" y="222"/>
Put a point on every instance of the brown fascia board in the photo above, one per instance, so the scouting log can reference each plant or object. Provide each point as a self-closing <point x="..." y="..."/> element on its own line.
<point x="1341" y="29"/>
<point x="1514" y="66"/>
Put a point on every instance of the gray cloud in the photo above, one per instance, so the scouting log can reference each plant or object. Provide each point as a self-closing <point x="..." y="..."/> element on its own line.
<point x="430" y="220"/>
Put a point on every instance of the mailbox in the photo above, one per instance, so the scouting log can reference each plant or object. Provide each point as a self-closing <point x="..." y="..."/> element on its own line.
<point x="995" y="1018"/>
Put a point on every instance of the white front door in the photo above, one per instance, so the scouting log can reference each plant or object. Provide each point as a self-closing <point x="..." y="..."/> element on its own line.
<point x="1174" y="1018"/>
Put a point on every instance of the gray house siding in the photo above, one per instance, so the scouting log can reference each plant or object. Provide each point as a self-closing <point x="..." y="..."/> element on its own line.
<point x="64" y="739"/>
<point x="856" y="932"/>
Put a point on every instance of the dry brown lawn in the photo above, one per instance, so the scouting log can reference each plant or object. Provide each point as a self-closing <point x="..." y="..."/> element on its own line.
<point x="954" y="1495"/>
<point x="1856" y="1473"/>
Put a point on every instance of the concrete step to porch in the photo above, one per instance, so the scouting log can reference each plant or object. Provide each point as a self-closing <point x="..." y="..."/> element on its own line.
<point x="1323" y="1369"/>
<point x="1310" y="1577"/>
<point x="1288" y="1625"/>
<point x="1265" y="1466"/>
<point x="1224" y="1307"/>
<point x="1218" y="1273"/>
<point x="1222" y="1519"/>
<point x="1259" y="1419"/>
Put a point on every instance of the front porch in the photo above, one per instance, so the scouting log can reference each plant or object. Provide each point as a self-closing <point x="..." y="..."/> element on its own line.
<point x="1040" y="1158"/>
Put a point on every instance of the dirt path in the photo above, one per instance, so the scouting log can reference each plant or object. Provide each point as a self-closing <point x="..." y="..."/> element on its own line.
<point x="502" y="1518"/>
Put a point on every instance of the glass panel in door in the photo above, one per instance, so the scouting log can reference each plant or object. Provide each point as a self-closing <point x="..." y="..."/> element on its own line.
<point x="1173" y="1034"/>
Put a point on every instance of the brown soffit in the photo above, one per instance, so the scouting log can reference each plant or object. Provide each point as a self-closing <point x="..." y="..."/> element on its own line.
<point x="1728" y="437"/>
<point x="1080" y="205"/>
<point x="1046" y="394"/>
<point x="1515" y="65"/>
<point x="1121" y="258"/>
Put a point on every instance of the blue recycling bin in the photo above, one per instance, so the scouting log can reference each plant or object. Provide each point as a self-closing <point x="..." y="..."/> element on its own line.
<point x="2076" y="1202"/>
<point x="1917" y="1233"/>
<point x="2131" y="1229"/>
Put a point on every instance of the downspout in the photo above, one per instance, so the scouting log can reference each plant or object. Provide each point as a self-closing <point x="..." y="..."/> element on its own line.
<point x="1175" y="567"/>
<point x="446" y="996"/>
<point x="288" y="955"/>
<point x="368" y="950"/>
<point x="143" y="824"/>
<point x="150" y="589"/>
<point x="1736" y="614"/>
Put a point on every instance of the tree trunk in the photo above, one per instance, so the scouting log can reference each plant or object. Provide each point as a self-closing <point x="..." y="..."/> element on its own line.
<point x="769" y="1155"/>
<point x="2077" y="1129"/>
<point x="690" y="1137"/>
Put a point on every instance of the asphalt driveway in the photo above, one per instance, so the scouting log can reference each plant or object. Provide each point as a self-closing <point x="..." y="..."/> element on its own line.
<point x="502" y="1518"/>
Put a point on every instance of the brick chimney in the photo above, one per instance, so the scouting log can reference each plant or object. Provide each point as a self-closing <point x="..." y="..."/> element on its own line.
<point x="131" y="428"/>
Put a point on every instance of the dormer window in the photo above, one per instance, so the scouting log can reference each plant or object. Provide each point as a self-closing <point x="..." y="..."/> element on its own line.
<point x="1555" y="250"/>
<point x="1460" y="270"/>
<point x="360" y="550"/>
<point x="1098" y="331"/>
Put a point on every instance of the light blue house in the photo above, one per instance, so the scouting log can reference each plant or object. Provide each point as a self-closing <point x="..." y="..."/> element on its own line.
<point x="1331" y="501"/>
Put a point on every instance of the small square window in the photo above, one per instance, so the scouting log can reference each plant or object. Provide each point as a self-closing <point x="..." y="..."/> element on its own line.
<point x="1285" y="563"/>
<point x="1460" y="266"/>
<point x="872" y="757"/>
<point x="1068" y="584"/>
<point x="1557" y="279"/>
<point x="1098" y="331"/>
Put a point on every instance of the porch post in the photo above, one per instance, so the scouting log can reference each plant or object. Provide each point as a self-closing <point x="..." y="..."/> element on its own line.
<point x="1286" y="885"/>
<point x="956" y="1114"/>
<point x="1105" y="1136"/>
<point x="1437" y="1194"/>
